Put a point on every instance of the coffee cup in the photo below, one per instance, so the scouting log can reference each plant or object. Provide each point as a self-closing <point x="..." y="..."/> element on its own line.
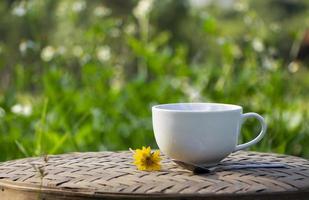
<point x="201" y="133"/>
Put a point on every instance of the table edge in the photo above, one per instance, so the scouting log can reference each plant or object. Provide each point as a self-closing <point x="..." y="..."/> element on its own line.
<point x="7" y="184"/>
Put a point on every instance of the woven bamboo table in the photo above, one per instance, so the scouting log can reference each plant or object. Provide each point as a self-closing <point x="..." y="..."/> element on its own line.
<point x="111" y="175"/>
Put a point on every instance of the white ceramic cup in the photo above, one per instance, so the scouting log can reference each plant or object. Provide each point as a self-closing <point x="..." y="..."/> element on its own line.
<point x="201" y="133"/>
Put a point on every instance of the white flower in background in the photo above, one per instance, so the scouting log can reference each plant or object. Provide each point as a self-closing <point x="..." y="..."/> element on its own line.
<point x="143" y="8"/>
<point x="130" y="29"/>
<point x="241" y="6"/>
<point x="48" y="53"/>
<point x="293" y="66"/>
<point x="25" y="110"/>
<point x="293" y="119"/>
<point x="2" y="112"/>
<point x="101" y="11"/>
<point x="25" y="45"/>
<point x="257" y="45"/>
<point x="78" y="6"/>
<point x="270" y="64"/>
<point x="103" y="53"/>
<point x="77" y="51"/>
<point x="20" y="9"/>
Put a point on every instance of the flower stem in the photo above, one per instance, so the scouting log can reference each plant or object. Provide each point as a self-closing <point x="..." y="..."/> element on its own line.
<point x="132" y="150"/>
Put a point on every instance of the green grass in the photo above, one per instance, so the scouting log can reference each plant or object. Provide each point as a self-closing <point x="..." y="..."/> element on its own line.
<point x="90" y="80"/>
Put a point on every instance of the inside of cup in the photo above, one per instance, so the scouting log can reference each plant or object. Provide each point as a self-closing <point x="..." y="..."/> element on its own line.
<point x="204" y="107"/>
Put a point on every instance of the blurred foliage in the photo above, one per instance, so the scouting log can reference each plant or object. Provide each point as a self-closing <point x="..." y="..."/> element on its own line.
<point x="82" y="75"/>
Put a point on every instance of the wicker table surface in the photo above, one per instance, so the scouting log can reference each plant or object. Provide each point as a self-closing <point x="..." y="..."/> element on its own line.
<point x="107" y="175"/>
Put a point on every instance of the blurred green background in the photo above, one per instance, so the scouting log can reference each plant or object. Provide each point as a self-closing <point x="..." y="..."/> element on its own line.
<point x="79" y="75"/>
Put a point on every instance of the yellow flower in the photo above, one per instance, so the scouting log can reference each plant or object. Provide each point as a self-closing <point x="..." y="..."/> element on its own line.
<point x="146" y="160"/>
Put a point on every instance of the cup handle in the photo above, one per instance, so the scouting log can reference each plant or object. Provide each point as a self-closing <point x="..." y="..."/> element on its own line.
<point x="261" y="134"/>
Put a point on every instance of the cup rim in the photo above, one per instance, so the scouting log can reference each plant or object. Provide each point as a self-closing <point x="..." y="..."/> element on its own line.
<point x="228" y="107"/>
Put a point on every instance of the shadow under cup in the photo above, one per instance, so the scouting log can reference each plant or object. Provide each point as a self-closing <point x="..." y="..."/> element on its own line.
<point x="200" y="133"/>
